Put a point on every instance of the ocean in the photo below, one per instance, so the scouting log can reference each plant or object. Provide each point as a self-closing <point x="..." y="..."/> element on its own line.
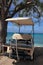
<point x="38" y="38"/>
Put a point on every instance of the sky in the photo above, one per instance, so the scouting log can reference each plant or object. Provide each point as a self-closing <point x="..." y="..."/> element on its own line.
<point x="41" y="0"/>
<point x="38" y="28"/>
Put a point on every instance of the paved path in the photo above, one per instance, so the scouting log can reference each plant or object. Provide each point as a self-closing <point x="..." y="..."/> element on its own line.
<point x="6" y="61"/>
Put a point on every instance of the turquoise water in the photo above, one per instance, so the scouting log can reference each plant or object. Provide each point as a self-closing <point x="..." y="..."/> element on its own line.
<point x="38" y="38"/>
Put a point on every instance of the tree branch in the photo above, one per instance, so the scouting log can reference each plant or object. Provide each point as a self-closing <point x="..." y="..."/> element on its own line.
<point x="19" y="7"/>
<point x="2" y="10"/>
<point x="23" y="6"/>
<point x="9" y="4"/>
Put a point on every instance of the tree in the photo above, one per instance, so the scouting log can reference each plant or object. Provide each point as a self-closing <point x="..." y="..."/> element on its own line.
<point x="3" y="15"/>
<point x="39" y="4"/>
<point x="6" y="13"/>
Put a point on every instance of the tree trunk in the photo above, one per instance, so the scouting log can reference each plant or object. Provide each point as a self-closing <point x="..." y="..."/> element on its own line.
<point x="3" y="15"/>
<point x="3" y="31"/>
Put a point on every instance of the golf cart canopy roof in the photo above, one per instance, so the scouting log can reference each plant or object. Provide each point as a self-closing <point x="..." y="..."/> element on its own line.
<point x="21" y="20"/>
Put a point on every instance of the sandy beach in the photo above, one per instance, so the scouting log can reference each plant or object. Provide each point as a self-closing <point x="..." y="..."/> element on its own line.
<point x="38" y="59"/>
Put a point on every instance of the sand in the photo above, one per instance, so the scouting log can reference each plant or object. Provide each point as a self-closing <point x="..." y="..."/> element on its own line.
<point x="38" y="59"/>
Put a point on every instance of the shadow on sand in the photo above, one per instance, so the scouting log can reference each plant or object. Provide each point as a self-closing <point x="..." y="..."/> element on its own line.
<point x="38" y="58"/>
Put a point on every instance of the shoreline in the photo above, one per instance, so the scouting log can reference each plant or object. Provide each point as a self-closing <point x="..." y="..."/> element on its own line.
<point x="34" y="46"/>
<point x="38" y="46"/>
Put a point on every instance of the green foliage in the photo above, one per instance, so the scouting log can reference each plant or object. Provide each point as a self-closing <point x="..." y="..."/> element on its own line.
<point x="15" y="2"/>
<point x="7" y="2"/>
<point x="39" y="4"/>
<point x="0" y="6"/>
